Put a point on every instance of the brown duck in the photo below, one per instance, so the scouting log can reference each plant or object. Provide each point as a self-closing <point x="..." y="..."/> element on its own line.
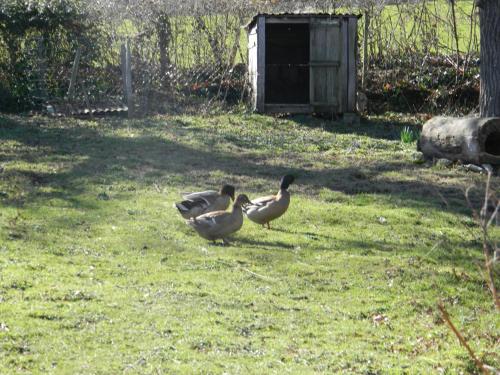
<point x="265" y="209"/>
<point x="220" y="224"/>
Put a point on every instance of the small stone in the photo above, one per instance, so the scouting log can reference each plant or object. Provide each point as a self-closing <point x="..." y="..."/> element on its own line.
<point x="418" y="157"/>
<point x="50" y="110"/>
<point x="350" y="119"/>
<point x="473" y="168"/>
<point x="443" y="163"/>
<point x="379" y="319"/>
<point x="354" y="146"/>
<point x="382" y="220"/>
<point x="103" y="196"/>
<point x="362" y="102"/>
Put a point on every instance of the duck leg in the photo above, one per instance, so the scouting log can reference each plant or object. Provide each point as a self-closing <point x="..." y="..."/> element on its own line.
<point x="225" y="242"/>
<point x="268" y="226"/>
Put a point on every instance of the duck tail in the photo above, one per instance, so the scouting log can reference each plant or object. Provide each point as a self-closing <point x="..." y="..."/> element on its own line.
<point x="181" y="207"/>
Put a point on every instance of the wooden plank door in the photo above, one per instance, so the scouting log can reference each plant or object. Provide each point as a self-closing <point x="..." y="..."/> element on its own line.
<point x="325" y="57"/>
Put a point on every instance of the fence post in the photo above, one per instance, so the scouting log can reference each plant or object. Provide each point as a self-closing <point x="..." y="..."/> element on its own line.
<point x="127" y="77"/>
<point x="74" y="72"/>
<point x="123" y="60"/>
<point x="42" y="68"/>
<point x="130" y="98"/>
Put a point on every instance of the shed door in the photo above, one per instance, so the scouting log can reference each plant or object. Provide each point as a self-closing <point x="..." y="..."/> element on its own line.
<point x="325" y="55"/>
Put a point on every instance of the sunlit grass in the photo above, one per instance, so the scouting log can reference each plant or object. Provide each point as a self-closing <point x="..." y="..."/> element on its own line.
<point x="99" y="274"/>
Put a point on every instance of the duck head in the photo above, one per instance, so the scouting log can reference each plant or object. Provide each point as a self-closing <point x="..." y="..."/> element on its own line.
<point x="286" y="181"/>
<point x="228" y="190"/>
<point x="241" y="200"/>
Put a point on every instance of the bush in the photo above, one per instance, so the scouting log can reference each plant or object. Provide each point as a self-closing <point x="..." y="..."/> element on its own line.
<point x="32" y="33"/>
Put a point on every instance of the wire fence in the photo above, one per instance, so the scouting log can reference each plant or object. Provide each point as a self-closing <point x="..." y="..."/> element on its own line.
<point x="82" y="80"/>
<point x="419" y="53"/>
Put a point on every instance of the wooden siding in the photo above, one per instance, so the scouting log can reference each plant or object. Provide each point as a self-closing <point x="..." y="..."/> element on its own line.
<point x="325" y="53"/>
<point x="261" y="64"/>
<point x="252" y="65"/>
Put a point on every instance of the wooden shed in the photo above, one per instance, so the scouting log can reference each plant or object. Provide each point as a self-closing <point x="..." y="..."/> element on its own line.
<point x="303" y="63"/>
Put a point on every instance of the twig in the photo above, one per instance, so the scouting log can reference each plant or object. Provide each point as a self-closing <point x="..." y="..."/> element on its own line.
<point x="157" y="187"/>
<point x="493" y="215"/>
<point x="446" y="318"/>
<point x="484" y="222"/>
<point x="267" y="278"/>
<point x="436" y="245"/>
<point x="443" y="199"/>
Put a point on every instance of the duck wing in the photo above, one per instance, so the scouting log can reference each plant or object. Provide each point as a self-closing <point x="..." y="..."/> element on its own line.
<point x="195" y="204"/>
<point x="210" y="195"/>
<point x="259" y="203"/>
<point x="262" y="201"/>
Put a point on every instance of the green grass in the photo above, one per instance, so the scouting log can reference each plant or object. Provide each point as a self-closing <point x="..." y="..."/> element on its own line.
<point x="99" y="274"/>
<point x="408" y="135"/>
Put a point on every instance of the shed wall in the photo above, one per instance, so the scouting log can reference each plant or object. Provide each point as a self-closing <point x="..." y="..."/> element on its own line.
<point x="261" y="64"/>
<point x="332" y="64"/>
<point x="252" y="65"/>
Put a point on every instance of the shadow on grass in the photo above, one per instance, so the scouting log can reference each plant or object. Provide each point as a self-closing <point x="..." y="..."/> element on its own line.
<point x="374" y="128"/>
<point x="453" y="253"/>
<point x="306" y="234"/>
<point x="98" y="158"/>
<point x="276" y="245"/>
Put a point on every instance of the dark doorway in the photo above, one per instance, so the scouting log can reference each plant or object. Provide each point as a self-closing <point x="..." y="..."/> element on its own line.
<point x="492" y="143"/>
<point x="287" y="63"/>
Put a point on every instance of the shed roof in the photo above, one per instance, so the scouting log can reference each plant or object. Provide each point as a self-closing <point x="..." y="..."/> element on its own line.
<point x="299" y="15"/>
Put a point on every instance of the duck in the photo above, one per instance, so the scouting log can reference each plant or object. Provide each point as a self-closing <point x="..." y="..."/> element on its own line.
<point x="196" y="204"/>
<point x="265" y="209"/>
<point x="220" y="224"/>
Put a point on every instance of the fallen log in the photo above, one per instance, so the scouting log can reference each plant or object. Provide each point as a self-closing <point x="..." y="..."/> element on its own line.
<point x="473" y="140"/>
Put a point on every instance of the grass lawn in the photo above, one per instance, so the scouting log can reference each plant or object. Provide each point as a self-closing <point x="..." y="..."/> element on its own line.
<point x="100" y="275"/>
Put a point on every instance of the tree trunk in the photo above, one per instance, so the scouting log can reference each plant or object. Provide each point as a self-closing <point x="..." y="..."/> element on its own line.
<point x="474" y="140"/>
<point x="164" y="35"/>
<point x="489" y="16"/>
